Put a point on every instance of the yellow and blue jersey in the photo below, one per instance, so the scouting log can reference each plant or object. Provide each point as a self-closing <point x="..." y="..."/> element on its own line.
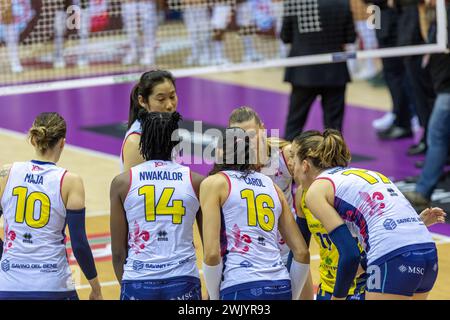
<point x="329" y="255"/>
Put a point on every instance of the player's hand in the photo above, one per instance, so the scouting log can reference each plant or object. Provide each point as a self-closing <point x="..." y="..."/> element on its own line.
<point x="96" y="295"/>
<point x="334" y="298"/>
<point x="431" y="216"/>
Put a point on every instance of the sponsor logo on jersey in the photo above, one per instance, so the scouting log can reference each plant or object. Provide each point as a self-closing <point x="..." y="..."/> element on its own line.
<point x="162" y="235"/>
<point x="389" y="224"/>
<point x="6" y="265"/>
<point x="246" y="264"/>
<point x="138" y="265"/>
<point x="159" y="164"/>
<point x="402" y="269"/>
<point x="392" y="192"/>
<point x="36" y="168"/>
<point x="262" y="241"/>
<point x="27" y="238"/>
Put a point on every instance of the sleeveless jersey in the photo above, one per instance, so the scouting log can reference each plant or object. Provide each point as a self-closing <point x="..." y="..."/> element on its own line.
<point x="385" y="220"/>
<point x="278" y="171"/>
<point x="34" y="256"/>
<point x="134" y="129"/>
<point x="250" y="230"/>
<point x="161" y="207"/>
<point x="329" y="255"/>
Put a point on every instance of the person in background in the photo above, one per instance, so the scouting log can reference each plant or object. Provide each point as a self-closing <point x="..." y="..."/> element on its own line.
<point x="144" y="47"/>
<point x="277" y="10"/>
<point x="363" y="69"/>
<point x="220" y="21"/>
<point x="14" y="17"/>
<point x="438" y="137"/>
<point x="332" y="30"/>
<point x="197" y="20"/>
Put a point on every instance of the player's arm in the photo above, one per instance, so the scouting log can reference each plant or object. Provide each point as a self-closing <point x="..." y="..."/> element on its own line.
<point x="197" y="179"/>
<point x="431" y="216"/>
<point x="308" y="289"/>
<point x="73" y="193"/>
<point x="288" y="228"/>
<point x="320" y="199"/>
<point x="213" y="192"/>
<point x="4" y="174"/>
<point x="131" y="154"/>
<point x="118" y="223"/>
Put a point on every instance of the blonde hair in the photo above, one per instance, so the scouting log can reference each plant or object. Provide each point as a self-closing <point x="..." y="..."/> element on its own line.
<point x="244" y="114"/>
<point x="47" y="130"/>
<point x="327" y="150"/>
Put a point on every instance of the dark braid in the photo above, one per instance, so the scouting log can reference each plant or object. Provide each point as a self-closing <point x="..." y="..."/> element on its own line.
<point x="156" y="139"/>
<point x="232" y="153"/>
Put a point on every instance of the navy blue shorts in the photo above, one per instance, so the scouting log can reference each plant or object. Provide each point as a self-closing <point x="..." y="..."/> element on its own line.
<point x="405" y="274"/>
<point x="259" y="290"/>
<point x="182" y="288"/>
<point x="27" y="295"/>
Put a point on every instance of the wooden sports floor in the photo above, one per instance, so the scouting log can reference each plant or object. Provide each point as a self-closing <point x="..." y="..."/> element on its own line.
<point x="99" y="168"/>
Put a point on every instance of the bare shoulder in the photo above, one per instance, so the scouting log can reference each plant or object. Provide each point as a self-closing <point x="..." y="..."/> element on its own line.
<point x="132" y="140"/>
<point x="319" y="188"/>
<point x="72" y="179"/>
<point x="121" y="182"/>
<point x="214" y="182"/>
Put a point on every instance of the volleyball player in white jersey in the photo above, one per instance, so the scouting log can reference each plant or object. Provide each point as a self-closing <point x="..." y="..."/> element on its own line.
<point x="38" y="199"/>
<point x="153" y="210"/>
<point x="273" y="154"/>
<point x="155" y="92"/>
<point x="244" y="210"/>
<point x="402" y="258"/>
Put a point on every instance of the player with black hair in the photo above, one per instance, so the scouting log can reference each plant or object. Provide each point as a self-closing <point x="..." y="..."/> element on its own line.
<point x="153" y="209"/>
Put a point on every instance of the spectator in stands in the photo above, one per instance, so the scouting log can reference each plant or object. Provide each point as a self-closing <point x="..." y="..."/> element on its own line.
<point x="438" y="137"/>
<point x="363" y="69"/>
<point x="277" y="11"/>
<point x="85" y="10"/>
<point x="326" y="28"/>
<point x="144" y="11"/>
<point x="220" y="21"/>
<point x="14" y="17"/>
<point x="197" y="20"/>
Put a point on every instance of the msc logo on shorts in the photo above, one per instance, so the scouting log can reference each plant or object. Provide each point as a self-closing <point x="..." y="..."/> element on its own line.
<point x="402" y="269"/>
<point x="6" y="265"/>
<point x="138" y="265"/>
<point x="389" y="224"/>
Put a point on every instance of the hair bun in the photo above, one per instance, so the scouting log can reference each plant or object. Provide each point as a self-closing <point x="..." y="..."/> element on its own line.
<point x="39" y="133"/>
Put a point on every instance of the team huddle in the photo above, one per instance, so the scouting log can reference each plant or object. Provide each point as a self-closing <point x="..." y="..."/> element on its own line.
<point x="256" y="218"/>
